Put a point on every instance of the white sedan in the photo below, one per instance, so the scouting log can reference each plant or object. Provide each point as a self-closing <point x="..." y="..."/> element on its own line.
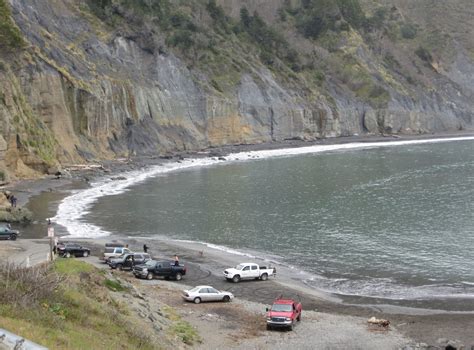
<point x="206" y="293"/>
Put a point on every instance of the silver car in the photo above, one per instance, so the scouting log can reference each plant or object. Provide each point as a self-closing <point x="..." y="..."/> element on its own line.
<point x="206" y="293"/>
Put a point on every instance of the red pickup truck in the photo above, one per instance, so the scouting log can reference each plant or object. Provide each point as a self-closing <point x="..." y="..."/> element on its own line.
<point x="283" y="313"/>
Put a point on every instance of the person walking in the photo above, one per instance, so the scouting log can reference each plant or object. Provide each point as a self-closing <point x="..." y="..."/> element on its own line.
<point x="145" y="248"/>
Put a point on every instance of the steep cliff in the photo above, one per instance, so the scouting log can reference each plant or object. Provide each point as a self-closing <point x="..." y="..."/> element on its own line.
<point x="85" y="80"/>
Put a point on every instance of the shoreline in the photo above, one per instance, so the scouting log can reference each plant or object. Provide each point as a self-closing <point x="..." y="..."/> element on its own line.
<point x="319" y="302"/>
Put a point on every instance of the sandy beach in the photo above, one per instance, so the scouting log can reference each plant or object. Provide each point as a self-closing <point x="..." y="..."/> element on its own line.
<point x="328" y="322"/>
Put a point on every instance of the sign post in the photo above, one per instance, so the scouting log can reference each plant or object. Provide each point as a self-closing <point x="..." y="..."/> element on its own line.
<point x="51" y="240"/>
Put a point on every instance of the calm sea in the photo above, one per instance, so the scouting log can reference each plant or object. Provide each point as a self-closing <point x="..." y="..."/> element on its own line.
<point x="393" y="222"/>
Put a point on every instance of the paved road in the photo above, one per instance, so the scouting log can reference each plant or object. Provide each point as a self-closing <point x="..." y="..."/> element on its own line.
<point x="25" y="252"/>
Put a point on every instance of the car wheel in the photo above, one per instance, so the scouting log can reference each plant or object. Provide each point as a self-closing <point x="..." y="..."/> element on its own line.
<point x="264" y="277"/>
<point x="236" y="279"/>
<point x="85" y="254"/>
<point x="149" y="276"/>
<point x="120" y="267"/>
<point x="197" y="300"/>
<point x="226" y="298"/>
<point x="178" y="276"/>
<point x="67" y="255"/>
<point x="13" y="237"/>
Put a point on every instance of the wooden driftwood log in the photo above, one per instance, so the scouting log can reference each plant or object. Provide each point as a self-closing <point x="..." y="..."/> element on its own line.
<point x="379" y="322"/>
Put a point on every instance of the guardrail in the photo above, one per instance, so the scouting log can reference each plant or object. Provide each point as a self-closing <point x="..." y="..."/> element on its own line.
<point x="10" y="341"/>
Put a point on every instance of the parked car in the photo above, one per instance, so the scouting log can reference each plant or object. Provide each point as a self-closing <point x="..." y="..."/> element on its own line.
<point x="206" y="293"/>
<point x="128" y="260"/>
<point x="67" y="250"/>
<point x="248" y="271"/>
<point x="284" y="313"/>
<point x="153" y="268"/>
<point x="114" y="244"/>
<point x="113" y="252"/>
<point x="6" y="232"/>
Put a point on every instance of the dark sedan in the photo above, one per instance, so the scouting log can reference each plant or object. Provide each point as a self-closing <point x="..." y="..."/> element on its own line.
<point x="67" y="250"/>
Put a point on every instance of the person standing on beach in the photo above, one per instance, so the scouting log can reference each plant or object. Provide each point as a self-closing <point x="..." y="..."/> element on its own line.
<point x="13" y="201"/>
<point x="145" y="248"/>
<point x="176" y="260"/>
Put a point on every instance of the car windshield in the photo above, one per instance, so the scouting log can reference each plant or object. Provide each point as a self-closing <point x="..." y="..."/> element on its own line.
<point x="239" y="267"/>
<point x="282" y="307"/>
<point x="150" y="263"/>
<point x="195" y="289"/>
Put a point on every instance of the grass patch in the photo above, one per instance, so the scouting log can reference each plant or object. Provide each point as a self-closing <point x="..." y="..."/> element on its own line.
<point x="114" y="286"/>
<point x="184" y="331"/>
<point x="181" y="329"/>
<point x="71" y="267"/>
<point x="66" y="305"/>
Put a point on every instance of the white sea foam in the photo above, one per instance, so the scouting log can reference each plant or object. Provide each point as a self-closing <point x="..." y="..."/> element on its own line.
<point x="389" y="289"/>
<point x="73" y="208"/>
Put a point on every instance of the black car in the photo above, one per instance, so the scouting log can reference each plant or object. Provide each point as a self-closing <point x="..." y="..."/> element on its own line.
<point x="153" y="268"/>
<point x="6" y="232"/>
<point x="128" y="260"/>
<point x="67" y="250"/>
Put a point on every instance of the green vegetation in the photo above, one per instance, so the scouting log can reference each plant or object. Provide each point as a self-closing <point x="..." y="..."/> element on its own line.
<point x="18" y="214"/>
<point x="114" y="286"/>
<point x="65" y="306"/>
<point x="424" y="54"/>
<point x="183" y="330"/>
<point x="221" y="48"/>
<point x="10" y="36"/>
<point x="408" y="31"/>
<point x="271" y="43"/>
<point x="316" y="17"/>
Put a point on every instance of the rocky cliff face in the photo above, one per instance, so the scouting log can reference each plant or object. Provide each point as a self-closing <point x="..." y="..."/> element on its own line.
<point x="84" y="89"/>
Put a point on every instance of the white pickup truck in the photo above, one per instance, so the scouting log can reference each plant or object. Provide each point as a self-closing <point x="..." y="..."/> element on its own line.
<point x="245" y="271"/>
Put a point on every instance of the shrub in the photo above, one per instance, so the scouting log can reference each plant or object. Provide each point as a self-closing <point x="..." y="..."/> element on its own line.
<point x="424" y="54"/>
<point x="377" y="20"/>
<point x="10" y="35"/>
<point x="408" y="31"/>
<point x="186" y="332"/>
<point x="352" y="12"/>
<point x="114" y="286"/>
<point x="182" y="39"/>
<point x="27" y="286"/>
<point x="217" y="13"/>
<point x="315" y="17"/>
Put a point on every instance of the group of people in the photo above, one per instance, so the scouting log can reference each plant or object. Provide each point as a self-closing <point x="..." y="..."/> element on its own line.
<point x="12" y="199"/>
<point x="176" y="259"/>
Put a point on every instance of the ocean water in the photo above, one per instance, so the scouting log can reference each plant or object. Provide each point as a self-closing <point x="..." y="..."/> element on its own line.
<point x="392" y="221"/>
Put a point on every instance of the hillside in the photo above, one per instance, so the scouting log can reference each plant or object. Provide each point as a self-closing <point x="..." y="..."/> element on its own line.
<point x="70" y="304"/>
<point x="84" y="80"/>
